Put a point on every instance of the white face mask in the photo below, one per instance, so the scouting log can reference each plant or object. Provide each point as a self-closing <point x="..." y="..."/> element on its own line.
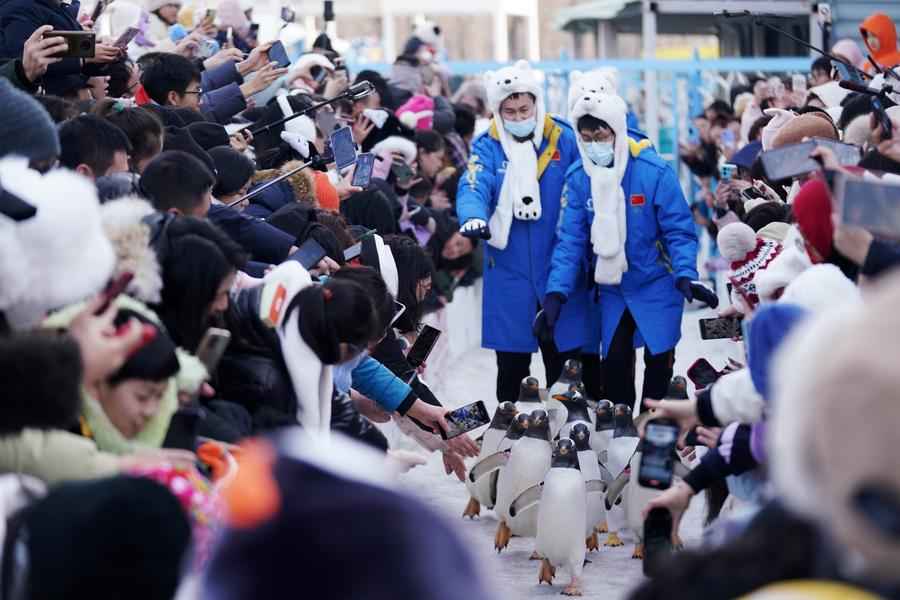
<point x="600" y="153"/>
<point x="520" y="128"/>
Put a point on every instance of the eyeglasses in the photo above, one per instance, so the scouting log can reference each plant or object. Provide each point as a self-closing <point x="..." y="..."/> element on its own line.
<point x="198" y="91"/>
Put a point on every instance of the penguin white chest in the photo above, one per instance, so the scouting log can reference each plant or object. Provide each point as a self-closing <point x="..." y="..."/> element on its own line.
<point x="529" y="461"/>
<point x="561" y="519"/>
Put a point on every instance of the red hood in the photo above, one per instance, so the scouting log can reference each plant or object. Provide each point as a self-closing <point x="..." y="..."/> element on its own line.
<point x="881" y="26"/>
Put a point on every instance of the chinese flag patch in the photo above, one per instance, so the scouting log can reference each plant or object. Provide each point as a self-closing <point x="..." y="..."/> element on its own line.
<point x="637" y="199"/>
<point x="556" y="155"/>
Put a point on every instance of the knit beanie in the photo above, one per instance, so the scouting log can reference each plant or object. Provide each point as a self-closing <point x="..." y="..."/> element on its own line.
<point x="747" y="254"/>
<point x="770" y="326"/>
<point x="812" y="211"/>
<point x="809" y="125"/>
<point x="417" y="112"/>
<point x="325" y="192"/>
<point x="25" y="127"/>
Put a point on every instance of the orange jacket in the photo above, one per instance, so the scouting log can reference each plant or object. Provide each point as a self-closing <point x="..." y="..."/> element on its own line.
<point x="886" y="54"/>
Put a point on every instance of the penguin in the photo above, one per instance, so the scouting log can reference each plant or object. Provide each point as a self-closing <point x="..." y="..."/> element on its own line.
<point x="530" y="396"/>
<point x="577" y="411"/>
<point x="561" y="517"/>
<point x="570" y="377"/>
<point x="484" y="490"/>
<point x="603" y="429"/>
<point x="529" y="461"/>
<point x="677" y="388"/>
<point x="621" y="449"/>
<point x="592" y="470"/>
<point x="497" y="460"/>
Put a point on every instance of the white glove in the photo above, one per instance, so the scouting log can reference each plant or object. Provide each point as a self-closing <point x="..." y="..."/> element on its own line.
<point x="297" y="142"/>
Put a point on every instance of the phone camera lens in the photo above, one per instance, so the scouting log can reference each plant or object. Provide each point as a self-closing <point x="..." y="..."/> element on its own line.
<point x="85" y="45"/>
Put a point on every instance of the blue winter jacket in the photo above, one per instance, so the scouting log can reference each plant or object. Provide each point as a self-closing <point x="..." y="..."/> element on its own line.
<point x="661" y="246"/>
<point x="375" y="381"/>
<point x="515" y="279"/>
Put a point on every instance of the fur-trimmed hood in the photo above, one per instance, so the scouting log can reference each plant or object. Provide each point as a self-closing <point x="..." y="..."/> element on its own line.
<point x="303" y="187"/>
<point x="130" y="236"/>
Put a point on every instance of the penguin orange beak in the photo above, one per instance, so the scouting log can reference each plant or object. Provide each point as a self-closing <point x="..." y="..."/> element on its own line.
<point x="560" y="397"/>
<point x="532" y="386"/>
<point x="619" y="412"/>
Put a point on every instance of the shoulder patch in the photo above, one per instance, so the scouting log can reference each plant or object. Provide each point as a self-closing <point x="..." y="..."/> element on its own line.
<point x="637" y="147"/>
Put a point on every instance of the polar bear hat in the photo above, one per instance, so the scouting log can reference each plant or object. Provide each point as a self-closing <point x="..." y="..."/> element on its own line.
<point x="598" y="81"/>
<point x="611" y="109"/>
<point x="517" y="79"/>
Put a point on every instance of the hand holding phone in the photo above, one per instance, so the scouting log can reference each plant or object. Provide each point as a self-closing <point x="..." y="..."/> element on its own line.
<point x="114" y="290"/>
<point x="308" y="254"/>
<point x="702" y="374"/>
<point x="419" y="351"/>
<point x="278" y="54"/>
<point x="657" y="454"/>
<point x="365" y="164"/>
<point x="789" y="161"/>
<point x="720" y="328"/>
<point x="465" y="419"/>
<point x="81" y="44"/>
<point x="212" y="348"/>
<point x="343" y="147"/>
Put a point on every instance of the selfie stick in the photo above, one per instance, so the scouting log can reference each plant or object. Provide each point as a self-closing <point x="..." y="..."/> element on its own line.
<point x="354" y="92"/>
<point x="312" y="162"/>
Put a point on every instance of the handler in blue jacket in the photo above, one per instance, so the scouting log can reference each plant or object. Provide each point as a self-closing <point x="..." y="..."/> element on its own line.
<point x="625" y="203"/>
<point x="511" y="195"/>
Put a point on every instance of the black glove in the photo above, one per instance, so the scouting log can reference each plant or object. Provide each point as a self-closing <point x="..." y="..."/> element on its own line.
<point x="545" y="321"/>
<point x="691" y="290"/>
<point x="476" y="228"/>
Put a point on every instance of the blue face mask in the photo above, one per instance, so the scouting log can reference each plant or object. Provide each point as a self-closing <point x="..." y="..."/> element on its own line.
<point x="520" y="128"/>
<point x="600" y="153"/>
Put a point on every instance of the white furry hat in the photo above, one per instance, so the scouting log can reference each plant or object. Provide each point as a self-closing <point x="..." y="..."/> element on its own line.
<point x="396" y="143"/>
<point x="599" y="81"/>
<point x="858" y="131"/>
<point x="517" y="79"/>
<point x="122" y="15"/>
<point x="130" y="237"/>
<point x="742" y="102"/>
<point x="302" y="125"/>
<point x="61" y="255"/>
<point x="821" y="287"/>
<point x="428" y="32"/>
<point x="784" y="269"/>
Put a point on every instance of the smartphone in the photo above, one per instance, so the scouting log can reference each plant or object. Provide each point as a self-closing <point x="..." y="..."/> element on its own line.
<point x="848" y="155"/>
<point x="182" y="433"/>
<point x="751" y="193"/>
<point x="728" y="138"/>
<point x="702" y="374"/>
<point x="81" y="43"/>
<point x="113" y="290"/>
<point x="882" y="118"/>
<point x="308" y="254"/>
<point x="98" y="10"/>
<point x="419" y="352"/>
<point x="691" y="439"/>
<point x="872" y="205"/>
<point x="353" y="252"/>
<point x="129" y="34"/>
<point x="278" y="54"/>
<point x="363" y="175"/>
<point x="727" y="171"/>
<point x="212" y="347"/>
<point x="789" y="161"/>
<point x="657" y="453"/>
<point x="720" y="328"/>
<point x="318" y="74"/>
<point x="287" y="15"/>
<point x="211" y="14"/>
<point x="848" y="72"/>
<point x="465" y="419"/>
<point x="402" y="172"/>
<point x="343" y="147"/>
<point x="657" y="540"/>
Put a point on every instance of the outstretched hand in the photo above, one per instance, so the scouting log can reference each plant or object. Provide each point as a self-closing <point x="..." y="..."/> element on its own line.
<point x="476" y="228"/>
<point x="690" y="290"/>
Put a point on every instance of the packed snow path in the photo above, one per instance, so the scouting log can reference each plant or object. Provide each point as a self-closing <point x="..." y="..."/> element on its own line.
<point x="612" y="573"/>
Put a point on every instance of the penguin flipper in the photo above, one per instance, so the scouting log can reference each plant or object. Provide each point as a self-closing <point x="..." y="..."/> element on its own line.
<point x="489" y="464"/>
<point x="603" y="457"/>
<point x="526" y="499"/>
<point x="679" y="469"/>
<point x="595" y="485"/>
<point x="605" y="475"/>
<point x="615" y="490"/>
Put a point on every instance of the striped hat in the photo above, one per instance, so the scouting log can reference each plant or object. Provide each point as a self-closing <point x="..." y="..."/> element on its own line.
<point x="747" y="253"/>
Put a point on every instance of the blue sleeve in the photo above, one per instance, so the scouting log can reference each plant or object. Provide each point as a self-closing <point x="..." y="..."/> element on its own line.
<point x="677" y="225"/>
<point x="476" y="188"/>
<point x="222" y="104"/>
<point x="574" y="236"/>
<point x="266" y="243"/>
<point x="881" y="256"/>
<point x="220" y="76"/>
<point x="373" y="380"/>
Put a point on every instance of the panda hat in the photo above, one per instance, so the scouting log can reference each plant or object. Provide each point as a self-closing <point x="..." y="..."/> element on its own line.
<point x="608" y="231"/>
<point x="520" y="195"/>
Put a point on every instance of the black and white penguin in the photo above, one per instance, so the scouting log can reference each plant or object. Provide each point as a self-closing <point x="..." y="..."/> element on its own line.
<point x="592" y="470"/>
<point x="529" y="461"/>
<point x="484" y="490"/>
<point x="530" y="396"/>
<point x="603" y="429"/>
<point x="496" y="461"/>
<point x="570" y="377"/>
<point x="577" y="411"/>
<point x="621" y="449"/>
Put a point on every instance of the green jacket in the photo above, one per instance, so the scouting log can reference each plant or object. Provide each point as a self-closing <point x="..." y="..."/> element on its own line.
<point x="54" y="456"/>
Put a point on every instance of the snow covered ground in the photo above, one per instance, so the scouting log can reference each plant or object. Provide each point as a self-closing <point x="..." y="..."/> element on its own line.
<point x="612" y="573"/>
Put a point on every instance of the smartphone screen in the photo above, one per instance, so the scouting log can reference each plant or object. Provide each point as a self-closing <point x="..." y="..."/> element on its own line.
<point x="182" y="433"/>
<point x="872" y="205"/>
<point x="702" y="374"/>
<point x="419" y="352"/>
<point x="363" y="175"/>
<point x="848" y="73"/>
<point x="789" y="161"/>
<point x="212" y="347"/>
<point x="656" y="455"/>
<point x="98" y="10"/>
<point x="127" y="36"/>
<point x="882" y="118"/>
<point x="848" y="155"/>
<point x="278" y="54"/>
<point x="308" y="254"/>
<point x="343" y="148"/>
<point x="353" y="252"/>
<point x="465" y="419"/>
<point x="720" y="328"/>
<point x="657" y="539"/>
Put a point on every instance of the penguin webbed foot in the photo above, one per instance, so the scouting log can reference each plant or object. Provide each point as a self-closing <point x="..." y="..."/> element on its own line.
<point x="593" y="542"/>
<point x="473" y="509"/>
<point x="677" y="542"/>
<point x="573" y="589"/>
<point x="501" y="538"/>
<point x="613" y="541"/>
<point x="535" y="556"/>
<point x="602" y="528"/>
<point x="548" y="572"/>
<point x="638" y="551"/>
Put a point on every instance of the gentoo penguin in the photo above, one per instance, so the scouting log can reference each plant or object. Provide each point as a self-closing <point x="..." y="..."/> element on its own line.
<point x="496" y="461"/>
<point x="677" y="388"/>
<point x="484" y="490"/>
<point x="621" y="448"/>
<point x="603" y="430"/>
<point x="562" y="519"/>
<point x="592" y="470"/>
<point x="577" y="411"/>
<point x="530" y="396"/>
<point x="570" y="377"/>
<point x="529" y="461"/>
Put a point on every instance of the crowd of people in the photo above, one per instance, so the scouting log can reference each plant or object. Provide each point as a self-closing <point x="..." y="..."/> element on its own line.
<point x="172" y="373"/>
